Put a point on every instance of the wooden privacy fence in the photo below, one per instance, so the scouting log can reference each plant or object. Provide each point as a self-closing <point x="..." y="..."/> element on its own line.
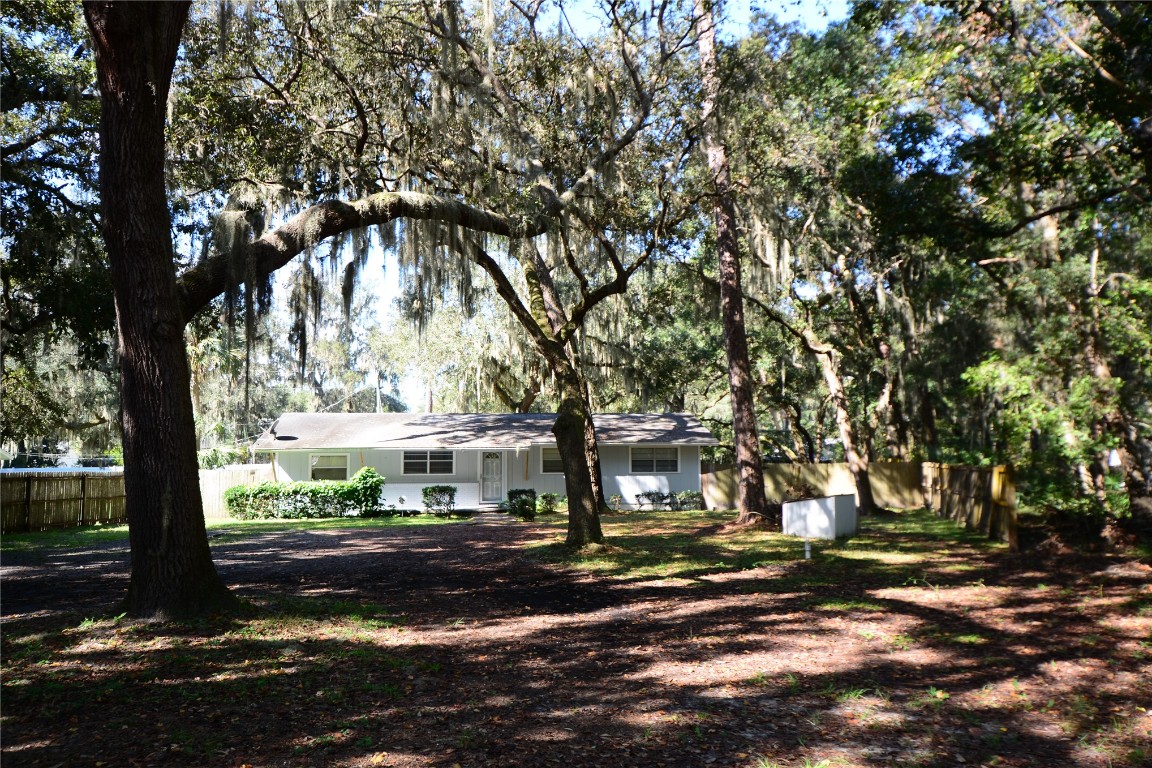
<point x="37" y="500"/>
<point x="980" y="498"/>
<point x="895" y="485"/>
<point x="213" y="483"/>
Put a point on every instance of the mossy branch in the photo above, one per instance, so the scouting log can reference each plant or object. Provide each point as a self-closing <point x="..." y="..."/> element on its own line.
<point x="212" y="276"/>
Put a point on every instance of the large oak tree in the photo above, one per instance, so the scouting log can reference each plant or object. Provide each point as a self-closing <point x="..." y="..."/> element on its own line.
<point x="136" y="46"/>
<point x="172" y="569"/>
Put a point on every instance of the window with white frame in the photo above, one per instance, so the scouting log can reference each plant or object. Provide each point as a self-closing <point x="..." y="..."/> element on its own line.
<point x="550" y="463"/>
<point x="429" y="463"/>
<point x="329" y="466"/>
<point x="646" y="461"/>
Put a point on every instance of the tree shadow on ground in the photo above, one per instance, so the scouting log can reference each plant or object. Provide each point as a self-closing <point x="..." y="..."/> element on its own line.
<point x="430" y="648"/>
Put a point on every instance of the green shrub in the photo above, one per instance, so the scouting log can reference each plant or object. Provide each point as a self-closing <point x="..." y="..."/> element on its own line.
<point x="439" y="499"/>
<point x="367" y="485"/>
<point x="616" y="502"/>
<point x="380" y="511"/>
<point x="547" y="503"/>
<point x="359" y="496"/>
<point x="655" y="499"/>
<point x="689" y="500"/>
<point x="522" y="503"/>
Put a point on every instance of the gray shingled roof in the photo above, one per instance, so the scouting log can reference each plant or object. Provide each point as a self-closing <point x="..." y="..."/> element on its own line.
<point x="310" y="431"/>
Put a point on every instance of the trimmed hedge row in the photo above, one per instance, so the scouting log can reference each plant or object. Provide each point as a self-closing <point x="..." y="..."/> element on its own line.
<point x="358" y="497"/>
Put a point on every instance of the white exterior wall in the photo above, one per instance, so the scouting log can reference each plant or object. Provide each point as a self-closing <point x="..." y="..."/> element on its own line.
<point x="295" y="465"/>
<point x="543" y="483"/>
<point x="616" y="466"/>
<point x="521" y="469"/>
<point x="467" y="495"/>
<point x="288" y="466"/>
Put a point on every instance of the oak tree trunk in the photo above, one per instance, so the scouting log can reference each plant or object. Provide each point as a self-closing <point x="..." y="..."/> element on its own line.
<point x="592" y="453"/>
<point x="172" y="570"/>
<point x="857" y="462"/>
<point x="575" y="433"/>
<point x="749" y="465"/>
<point x="576" y="441"/>
<point x="928" y="424"/>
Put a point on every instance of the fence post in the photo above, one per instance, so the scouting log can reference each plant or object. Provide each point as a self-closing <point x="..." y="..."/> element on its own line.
<point x="83" y="496"/>
<point x="1008" y="499"/>
<point x="984" y="484"/>
<point x="28" y="504"/>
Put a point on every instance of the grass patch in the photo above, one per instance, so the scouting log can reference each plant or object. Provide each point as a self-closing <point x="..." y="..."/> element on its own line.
<point x="687" y="545"/>
<point x="236" y="530"/>
<point x="218" y="530"/>
<point x="901" y="642"/>
<point x="65" y="538"/>
<point x="847" y="605"/>
<point x="1141" y="605"/>
<point x="666" y="544"/>
<point x="933" y="698"/>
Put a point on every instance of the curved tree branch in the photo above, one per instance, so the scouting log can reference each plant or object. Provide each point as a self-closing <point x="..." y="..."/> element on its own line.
<point x="988" y="230"/>
<point x="212" y="276"/>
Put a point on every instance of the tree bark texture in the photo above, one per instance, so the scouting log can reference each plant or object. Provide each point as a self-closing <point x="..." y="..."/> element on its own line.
<point x="1137" y="462"/>
<point x="579" y="454"/>
<point x="749" y="465"/>
<point x="172" y="570"/>
<point x="592" y="453"/>
<point x="857" y="462"/>
<point x="928" y="424"/>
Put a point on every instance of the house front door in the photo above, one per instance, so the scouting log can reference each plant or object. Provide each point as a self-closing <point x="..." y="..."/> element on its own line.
<point x="492" y="477"/>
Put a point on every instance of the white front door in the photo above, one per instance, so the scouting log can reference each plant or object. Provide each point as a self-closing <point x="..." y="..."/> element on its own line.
<point x="492" y="477"/>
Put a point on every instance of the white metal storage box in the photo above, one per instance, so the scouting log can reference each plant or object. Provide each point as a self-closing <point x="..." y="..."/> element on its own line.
<point x="827" y="517"/>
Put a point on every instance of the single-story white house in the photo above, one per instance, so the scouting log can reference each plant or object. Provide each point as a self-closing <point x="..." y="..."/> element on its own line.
<point x="483" y="455"/>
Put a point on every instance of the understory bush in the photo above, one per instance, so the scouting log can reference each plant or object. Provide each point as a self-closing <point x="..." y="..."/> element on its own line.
<point x="655" y="499"/>
<point x="358" y="497"/>
<point x="689" y="500"/>
<point x="548" y="503"/>
<point x="676" y="501"/>
<point x="439" y="499"/>
<point x="522" y="503"/>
